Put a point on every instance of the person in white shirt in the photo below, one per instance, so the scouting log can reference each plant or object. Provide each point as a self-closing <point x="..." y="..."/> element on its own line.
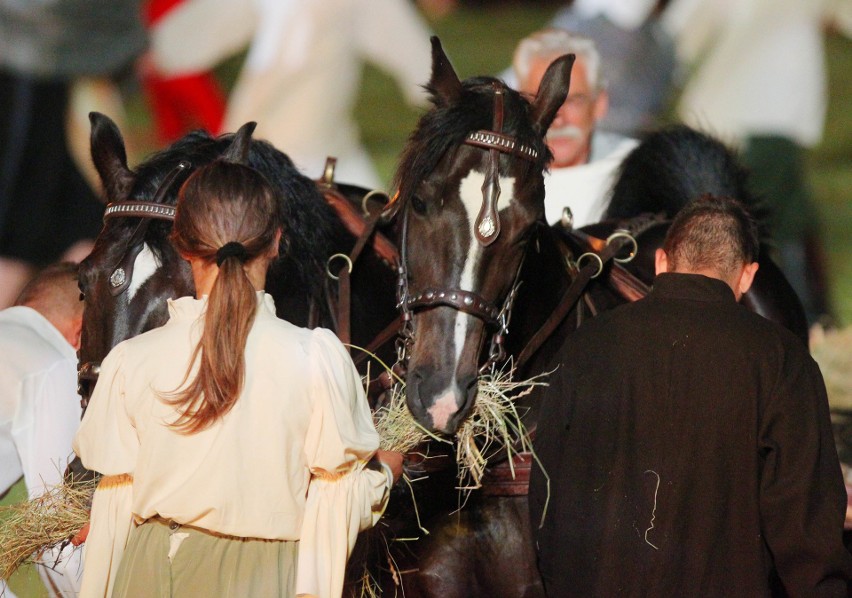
<point x="758" y="82"/>
<point x="585" y="160"/>
<point x="302" y="73"/>
<point x="247" y="441"/>
<point x="39" y="405"/>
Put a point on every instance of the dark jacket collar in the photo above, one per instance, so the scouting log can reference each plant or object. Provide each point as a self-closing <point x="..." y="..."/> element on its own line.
<point x="695" y="287"/>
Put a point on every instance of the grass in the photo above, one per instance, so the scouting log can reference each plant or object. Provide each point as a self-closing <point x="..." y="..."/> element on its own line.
<point x="831" y="176"/>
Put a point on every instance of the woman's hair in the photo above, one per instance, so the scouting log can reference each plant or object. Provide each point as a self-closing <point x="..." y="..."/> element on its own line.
<point x="228" y="214"/>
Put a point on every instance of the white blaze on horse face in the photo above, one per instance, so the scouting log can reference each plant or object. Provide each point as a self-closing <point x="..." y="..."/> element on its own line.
<point x="144" y="266"/>
<point x="470" y="192"/>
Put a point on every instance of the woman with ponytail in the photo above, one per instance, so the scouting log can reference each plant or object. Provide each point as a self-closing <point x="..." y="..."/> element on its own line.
<point x="249" y="440"/>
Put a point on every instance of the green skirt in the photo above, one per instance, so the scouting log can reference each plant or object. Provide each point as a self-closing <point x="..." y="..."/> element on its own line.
<point x="203" y="564"/>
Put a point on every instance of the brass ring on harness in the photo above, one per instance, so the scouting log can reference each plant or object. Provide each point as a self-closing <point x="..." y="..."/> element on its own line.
<point x="593" y="256"/>
<point x="368" y="196"/>
<point x="623" y="234"/>
<point x="342" y="256"/>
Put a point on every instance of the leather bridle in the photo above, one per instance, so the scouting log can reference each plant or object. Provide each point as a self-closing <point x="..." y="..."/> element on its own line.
<point x="486" y="231"/>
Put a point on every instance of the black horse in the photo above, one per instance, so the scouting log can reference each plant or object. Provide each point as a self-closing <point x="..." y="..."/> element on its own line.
<point x="466" y="292"/>
<point x="133" y="268"/>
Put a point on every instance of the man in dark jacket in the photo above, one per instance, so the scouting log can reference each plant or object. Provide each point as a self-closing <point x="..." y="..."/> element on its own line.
<point x="687" y="440"/>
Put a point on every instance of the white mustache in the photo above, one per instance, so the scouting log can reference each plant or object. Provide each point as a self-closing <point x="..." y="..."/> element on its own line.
<point x="566" y="132"/>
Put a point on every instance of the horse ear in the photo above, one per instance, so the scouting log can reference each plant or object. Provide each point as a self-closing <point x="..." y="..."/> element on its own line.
<point x="240" y="146"/>
<point x="444" y="84"/>
<point x="110" y="157"/>
<point x="552" y="92"/>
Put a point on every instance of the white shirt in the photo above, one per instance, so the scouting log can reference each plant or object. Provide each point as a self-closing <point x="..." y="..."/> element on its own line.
<point x="302" y="74"/>
<point x="39" y="414"/>
<point x="284" y="463"/>
<point x="586" y="188"/>
<point x="760" y="67"/>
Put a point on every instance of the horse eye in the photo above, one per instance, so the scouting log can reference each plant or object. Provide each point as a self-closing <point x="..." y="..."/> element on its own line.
<point x="418" y="205"/>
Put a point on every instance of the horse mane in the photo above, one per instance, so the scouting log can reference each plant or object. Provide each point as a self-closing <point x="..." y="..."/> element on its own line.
<point x="447" y="124"/>
<point x="308" y="220"/>
<point x="674" y="166"/>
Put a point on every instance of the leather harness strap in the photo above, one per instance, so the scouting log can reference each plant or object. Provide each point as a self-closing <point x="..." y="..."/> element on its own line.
<point x="501" y="143"/>
<point x="622" y="281"/>
<point x="569" y="298"/>
<point x="486" y="228"/>
<point x="510" y="477"/>
<point x="139" y="209"/>
<point x="358" y="226"/>
<point x="365" y="231"/>
<point x="465" y="301"/>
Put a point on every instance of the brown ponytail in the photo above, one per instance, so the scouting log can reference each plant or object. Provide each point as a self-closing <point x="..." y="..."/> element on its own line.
<point x="226" y="214"/>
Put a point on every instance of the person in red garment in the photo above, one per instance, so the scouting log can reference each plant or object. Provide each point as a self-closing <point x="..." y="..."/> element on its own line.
<point x="183" y="102"/>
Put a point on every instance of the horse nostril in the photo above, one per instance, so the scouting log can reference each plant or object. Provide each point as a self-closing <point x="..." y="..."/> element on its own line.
<point x="469" y="384"/>
<point x="413" y="381"/>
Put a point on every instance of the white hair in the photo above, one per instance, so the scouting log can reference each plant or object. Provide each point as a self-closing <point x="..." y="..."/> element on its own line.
<point x="550" y="44"/>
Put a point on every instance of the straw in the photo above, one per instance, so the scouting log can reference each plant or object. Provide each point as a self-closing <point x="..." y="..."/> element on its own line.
<point x="30" y="528"/>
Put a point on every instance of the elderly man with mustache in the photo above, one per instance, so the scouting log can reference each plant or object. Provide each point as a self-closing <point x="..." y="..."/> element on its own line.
<point x="585" y="160"/>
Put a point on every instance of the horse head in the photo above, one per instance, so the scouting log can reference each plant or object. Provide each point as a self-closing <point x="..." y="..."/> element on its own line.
<point x="133" y="268"/>
<point x="471" y="191"/>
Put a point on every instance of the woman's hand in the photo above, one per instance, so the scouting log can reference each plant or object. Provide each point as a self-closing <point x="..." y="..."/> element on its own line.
<point x="81" y="536"/>
<point x="393" y="460"/>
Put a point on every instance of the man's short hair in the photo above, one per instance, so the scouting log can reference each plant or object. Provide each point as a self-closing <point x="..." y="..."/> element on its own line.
<point x="53" y="291"/>
<point x="712" y="233"/>
<point x="549" y="44"/>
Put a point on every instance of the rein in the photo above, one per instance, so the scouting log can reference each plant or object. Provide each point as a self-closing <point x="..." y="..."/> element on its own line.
<point x="363" y="226"/>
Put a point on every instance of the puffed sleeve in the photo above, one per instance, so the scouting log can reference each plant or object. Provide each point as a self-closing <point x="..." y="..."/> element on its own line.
<point x="106" y="441"/>
<point x="111" y="521"/>
<point x="343" y="497"/>
<point x="802" y="496"/>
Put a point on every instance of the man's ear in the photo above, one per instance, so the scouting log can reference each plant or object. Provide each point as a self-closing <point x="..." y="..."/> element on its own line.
<point x="661" y="261"/>
<point x="601" y="106"/>
<point x="276" y="244"/>
<point x="746" y="278"/>
<point x="73" y="334"/>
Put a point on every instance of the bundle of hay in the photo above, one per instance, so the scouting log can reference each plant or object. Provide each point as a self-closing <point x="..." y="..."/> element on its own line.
<point x="495" y="424"/>
<point x="30" y="528"/>
<point x="495" y="420"/>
